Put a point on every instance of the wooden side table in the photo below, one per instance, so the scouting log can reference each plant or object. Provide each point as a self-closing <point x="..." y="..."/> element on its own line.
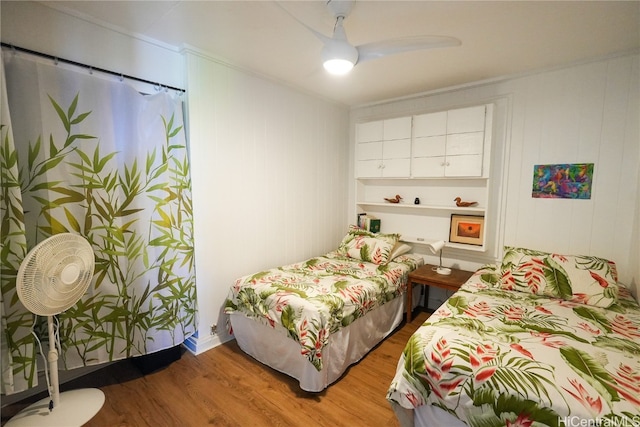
<point x="427" y="277"/>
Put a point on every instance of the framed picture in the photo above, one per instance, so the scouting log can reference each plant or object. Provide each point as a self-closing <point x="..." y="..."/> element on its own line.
<point x="562" y="181"/>
<point x="467" y="229"/>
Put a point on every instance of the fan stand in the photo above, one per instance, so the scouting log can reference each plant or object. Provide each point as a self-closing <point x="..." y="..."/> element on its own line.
<point x="70" y="408"/>
<point x="76" y="408"/>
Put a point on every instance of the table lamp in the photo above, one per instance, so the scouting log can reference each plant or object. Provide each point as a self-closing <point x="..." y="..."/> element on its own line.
<point x="436" y="247"/>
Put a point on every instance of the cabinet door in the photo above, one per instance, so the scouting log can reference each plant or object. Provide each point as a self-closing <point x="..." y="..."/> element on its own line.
<point x="368" y="169"/>
<point x="464" y="143"/>
<point x="427" y="159"/>
<point x="369" y="151"/>
<point x="464" y="154"/>
<point x="370" y="131"/>
<point x="398" y="149"/>
<point x="396" y="168"/>
<point x="399" y="128"/>
<point x="369" y="159"/>
<point x="427" y="167"/>
<point x="430" y="124"/>
<point x="464" y="120"/>
<point x="429" y="146"/>
<point x="465" y="165"/>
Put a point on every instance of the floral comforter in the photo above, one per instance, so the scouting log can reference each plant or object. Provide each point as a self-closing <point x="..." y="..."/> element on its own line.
<point x="494" y="357"/>
<point x="317" y="297"/>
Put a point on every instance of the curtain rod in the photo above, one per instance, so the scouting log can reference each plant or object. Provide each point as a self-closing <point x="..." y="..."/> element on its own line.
<point x="79" y="64"/>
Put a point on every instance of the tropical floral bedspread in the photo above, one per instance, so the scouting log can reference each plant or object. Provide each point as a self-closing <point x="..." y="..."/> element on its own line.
<point x="495" y="357"/>
<point x="317" y="297"/>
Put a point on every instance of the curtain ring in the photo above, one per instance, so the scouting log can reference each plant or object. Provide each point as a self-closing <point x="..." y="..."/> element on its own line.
<point x="121" y="77"/>
<point x="55" y="60"/>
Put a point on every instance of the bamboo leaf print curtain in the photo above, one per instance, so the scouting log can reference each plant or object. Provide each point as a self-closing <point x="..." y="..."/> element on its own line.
<point x="86" y="155"/>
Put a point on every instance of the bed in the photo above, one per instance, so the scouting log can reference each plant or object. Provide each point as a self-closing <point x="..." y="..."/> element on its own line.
<point x="536" y="339"/>
<point x="312" y="319"/>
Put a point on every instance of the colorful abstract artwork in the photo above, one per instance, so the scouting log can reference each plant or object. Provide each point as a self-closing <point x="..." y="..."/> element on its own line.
<point x="563" y="181"/>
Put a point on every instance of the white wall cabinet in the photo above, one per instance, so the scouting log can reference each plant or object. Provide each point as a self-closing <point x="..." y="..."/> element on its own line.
<point x="383" y="148"/>
<point x="449" y="143"/>
<point x="447" y="156"/>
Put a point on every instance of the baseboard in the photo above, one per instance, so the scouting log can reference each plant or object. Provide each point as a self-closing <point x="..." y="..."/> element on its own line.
<point x="198" y="345"/>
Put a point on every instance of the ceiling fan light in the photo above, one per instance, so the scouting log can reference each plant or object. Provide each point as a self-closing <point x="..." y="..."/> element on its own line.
<point x="339" y="57"/>
<point x="338" y="66"/>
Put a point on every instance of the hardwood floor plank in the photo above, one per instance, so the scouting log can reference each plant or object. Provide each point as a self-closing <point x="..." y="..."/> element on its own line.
<point x="225" y="387"/>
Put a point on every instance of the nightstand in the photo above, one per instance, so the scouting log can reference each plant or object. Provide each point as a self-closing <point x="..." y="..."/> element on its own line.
<point x="427" y="277"/>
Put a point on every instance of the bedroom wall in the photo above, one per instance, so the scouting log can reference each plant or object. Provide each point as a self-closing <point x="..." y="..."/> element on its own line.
<point x="269" y="168"/>
<point x="584" y="113"/>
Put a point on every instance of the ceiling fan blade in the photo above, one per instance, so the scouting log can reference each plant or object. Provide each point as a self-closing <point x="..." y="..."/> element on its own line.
<point x="405" y="44"/>
<point x="324" y="39"/>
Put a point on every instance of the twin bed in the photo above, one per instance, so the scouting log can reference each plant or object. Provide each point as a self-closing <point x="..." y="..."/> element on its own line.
<point x="313" y="319"/>
<point x="537" y="339"/>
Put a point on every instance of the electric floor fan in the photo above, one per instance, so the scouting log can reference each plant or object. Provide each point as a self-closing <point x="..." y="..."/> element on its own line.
<point x="54" y="275"/>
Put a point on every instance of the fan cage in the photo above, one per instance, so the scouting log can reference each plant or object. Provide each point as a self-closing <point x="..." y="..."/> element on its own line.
<point x="40" y="285"/>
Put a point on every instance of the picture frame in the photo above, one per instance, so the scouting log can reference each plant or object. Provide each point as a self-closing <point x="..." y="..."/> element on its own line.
<point x="467" y="229"/>
<point x="562" y="181"/>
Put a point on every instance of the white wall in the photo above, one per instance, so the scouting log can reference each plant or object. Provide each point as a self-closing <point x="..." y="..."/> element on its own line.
<point x="584" y="113"/>
<point x="269" y="171"/>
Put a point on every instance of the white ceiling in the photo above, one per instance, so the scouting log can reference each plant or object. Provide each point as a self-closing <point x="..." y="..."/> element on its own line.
<point x="499" y="38"/>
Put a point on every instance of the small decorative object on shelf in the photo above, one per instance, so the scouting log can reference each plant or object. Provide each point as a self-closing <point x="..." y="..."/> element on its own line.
<point x="460" y="203"/>
<point x="394" y="200"/>
<point x="416" y="201"/>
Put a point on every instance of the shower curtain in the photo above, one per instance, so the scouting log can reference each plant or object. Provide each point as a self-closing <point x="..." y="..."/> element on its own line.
<point x="82" y="154"/>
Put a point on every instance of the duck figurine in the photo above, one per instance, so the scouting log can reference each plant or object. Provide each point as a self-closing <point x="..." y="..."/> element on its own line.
<point x="395" y="199"/>
<point x="462" y="204"/>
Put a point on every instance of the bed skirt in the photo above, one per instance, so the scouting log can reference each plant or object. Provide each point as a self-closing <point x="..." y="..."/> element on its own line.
<point x="274" y="348"/>
<point x="425" y="416"/>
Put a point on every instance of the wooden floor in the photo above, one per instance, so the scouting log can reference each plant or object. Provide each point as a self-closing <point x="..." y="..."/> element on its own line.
<point x="225" y="387"/>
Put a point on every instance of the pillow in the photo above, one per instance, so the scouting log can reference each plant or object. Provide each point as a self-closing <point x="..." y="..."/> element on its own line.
<point x="579" y="278"/>
<point x="399" y="249"/>
<point x="367" y="246"/>
<point x="526" y="270"/>
<point x="592" y="279"/>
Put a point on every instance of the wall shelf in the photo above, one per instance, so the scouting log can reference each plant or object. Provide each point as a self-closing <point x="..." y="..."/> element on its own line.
<point x="470" y="210"/>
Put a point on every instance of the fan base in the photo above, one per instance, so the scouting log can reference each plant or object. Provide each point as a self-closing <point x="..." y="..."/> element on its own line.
<point x="75" y="409"/>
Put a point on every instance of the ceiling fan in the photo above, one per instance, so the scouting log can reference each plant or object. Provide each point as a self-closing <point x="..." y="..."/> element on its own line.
<point x="339" y="56"/>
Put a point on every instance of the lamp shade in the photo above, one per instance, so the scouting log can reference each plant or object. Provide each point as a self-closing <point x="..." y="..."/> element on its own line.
<point x="436" y="246"/>
<point x="339" y="57"/>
